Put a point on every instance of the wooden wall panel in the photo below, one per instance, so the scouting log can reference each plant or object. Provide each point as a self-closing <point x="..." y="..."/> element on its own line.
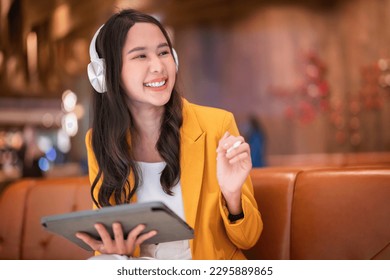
<point x="257" y="65"/>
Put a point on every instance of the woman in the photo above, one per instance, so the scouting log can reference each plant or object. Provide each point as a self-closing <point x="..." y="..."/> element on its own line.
<point x="148" y="143"/>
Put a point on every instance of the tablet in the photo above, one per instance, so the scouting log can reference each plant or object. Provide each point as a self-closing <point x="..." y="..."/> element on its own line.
<point x="155" y="215"/>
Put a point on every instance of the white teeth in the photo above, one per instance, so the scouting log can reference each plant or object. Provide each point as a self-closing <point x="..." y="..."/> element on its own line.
<point x="156" y="84"/>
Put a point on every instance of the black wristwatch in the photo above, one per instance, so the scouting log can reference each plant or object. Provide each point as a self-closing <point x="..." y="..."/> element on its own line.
<point x="237" y="217"/>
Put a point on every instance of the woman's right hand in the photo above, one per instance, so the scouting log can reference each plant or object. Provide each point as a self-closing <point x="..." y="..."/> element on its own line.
<point x="119" y="245"/>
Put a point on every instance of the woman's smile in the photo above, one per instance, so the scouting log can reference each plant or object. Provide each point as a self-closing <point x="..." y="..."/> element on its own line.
<point x="157" y="84"/>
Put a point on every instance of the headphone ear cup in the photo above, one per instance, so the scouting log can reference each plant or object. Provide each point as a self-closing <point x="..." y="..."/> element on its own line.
<point x="176" y="58"/>
<point x="96" y="74"/>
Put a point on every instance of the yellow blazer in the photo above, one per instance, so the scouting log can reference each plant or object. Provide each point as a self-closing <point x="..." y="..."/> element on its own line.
<point x="205" y="210"/>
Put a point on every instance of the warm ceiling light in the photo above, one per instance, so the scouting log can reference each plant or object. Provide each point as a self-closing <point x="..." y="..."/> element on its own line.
<point x="61" y="23"/>
<point x="32" y="53"/>
<point x="135" y="4"/>
<point x="5" y="5"/>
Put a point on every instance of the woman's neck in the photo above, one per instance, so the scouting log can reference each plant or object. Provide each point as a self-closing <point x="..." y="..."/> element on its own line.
<point x="147" y="125"/>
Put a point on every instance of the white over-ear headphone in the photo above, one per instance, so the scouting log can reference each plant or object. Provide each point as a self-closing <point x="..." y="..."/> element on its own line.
<point x="97" y="67"/>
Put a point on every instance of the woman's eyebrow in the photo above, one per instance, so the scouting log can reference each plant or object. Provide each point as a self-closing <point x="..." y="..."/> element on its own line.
<point x="162" y="45"/>
<point x="136" y="49"/>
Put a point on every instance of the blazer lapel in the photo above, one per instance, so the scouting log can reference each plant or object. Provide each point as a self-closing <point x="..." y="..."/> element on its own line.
<point x="192" y="162"/>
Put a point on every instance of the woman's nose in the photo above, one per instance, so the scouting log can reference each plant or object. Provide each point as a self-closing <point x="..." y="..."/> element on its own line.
<point x="156" y="64"/>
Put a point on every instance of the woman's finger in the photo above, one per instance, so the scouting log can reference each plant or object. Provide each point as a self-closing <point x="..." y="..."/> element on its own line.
<point x="89" y="240"/>
<point x="104" y="235"/>
<point x="231" y="143"/>
<point x="222" y="141"/>
<point x="135" y="232"/>
<point x="145" y="236"/>
<point x="239" y="157"/>
<point x="239" y="148"/>
<point x="119" y="238"/>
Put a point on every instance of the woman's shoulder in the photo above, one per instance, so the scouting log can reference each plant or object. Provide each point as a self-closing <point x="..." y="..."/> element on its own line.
<point x="206" y="113"/>
<point x="213" y="121"/>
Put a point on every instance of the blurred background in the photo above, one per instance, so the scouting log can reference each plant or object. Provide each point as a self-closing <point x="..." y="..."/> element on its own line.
<point x="307" y="80"/>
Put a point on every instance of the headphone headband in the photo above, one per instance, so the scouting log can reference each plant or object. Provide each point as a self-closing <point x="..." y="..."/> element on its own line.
<point x="92" y="47"/>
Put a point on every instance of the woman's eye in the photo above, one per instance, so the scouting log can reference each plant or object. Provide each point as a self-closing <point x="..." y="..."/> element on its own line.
<point x="164" y="53"/>
<point x="140" y="56"/>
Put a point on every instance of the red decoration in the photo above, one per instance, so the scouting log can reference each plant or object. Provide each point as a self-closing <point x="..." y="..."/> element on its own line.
<point x="310" y="96"/>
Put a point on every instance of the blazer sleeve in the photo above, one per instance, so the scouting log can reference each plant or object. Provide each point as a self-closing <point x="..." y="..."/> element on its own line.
<point x="243" y="233"/>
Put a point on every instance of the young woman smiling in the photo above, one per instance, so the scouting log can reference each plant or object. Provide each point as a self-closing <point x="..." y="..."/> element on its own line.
<point x="149" y="143"/>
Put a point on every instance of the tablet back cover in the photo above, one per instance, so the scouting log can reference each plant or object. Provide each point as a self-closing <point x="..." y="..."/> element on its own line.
<point x="155" y="215"/>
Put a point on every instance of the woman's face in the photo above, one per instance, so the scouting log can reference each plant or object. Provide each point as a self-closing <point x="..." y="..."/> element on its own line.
<point x="148" y="70"/>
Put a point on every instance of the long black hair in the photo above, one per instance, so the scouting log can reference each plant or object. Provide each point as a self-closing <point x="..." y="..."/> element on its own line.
<point x="112" y="122"/>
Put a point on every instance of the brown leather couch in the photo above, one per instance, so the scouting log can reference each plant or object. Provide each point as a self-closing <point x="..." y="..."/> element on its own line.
<point x="308" y="213"/>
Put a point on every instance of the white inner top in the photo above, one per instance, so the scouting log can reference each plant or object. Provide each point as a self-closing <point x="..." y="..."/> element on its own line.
<point x="150" y="189"/>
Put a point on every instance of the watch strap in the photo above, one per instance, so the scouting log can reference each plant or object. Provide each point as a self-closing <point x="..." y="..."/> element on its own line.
<point x="237" y="217"/>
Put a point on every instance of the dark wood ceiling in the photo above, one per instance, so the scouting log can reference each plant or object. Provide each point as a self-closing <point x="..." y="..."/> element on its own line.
<point x="63" y="29"/>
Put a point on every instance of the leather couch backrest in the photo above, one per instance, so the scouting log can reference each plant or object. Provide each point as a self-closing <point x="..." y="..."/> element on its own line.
<point x="341" y="213"/>
<point x="68" y="195"/>
<point x="274" y="189"/>
<point x="21" y="226"/>
<point x="12" y="209"/>
<point x="322" y="213"/>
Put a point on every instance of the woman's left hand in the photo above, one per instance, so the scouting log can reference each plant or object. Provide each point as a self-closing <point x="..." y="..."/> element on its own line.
<point x="233" y="166"/>
<point x="118" y="244"/>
